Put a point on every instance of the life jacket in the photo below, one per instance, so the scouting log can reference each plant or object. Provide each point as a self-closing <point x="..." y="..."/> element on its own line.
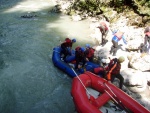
<point x="79" y="54"/>
<point x="113" y="68"/>
<point x="90" y="53"/>
<point x="78" y="51"/>
<point x="148" y="34"/>
<point x="77" y="48"/>
<point x="104" y="24"/>
<point x="119" y="35"/>
<point x="98" y="70"/>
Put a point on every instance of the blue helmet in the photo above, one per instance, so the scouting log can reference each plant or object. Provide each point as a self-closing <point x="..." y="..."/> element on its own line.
<point x="74" y="40"/>
<point x="82" y="49"/>
<point x="87" y="45"/>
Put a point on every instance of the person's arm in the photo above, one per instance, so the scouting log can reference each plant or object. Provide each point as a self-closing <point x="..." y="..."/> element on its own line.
<point x="123" y="38"/>
<point x="114" y="32"/>
<point x="70" y="47"/>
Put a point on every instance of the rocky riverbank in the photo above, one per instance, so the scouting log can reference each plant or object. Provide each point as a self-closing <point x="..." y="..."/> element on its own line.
<point x="136" y="68"/>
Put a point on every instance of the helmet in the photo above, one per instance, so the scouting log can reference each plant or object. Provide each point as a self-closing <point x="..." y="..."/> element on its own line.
<point x="74" y="40"/>
<point x="87" y="45"/>
<point x="82" y="49"/>
<point x="103" y="60"/>
<point x="121" y="59"/>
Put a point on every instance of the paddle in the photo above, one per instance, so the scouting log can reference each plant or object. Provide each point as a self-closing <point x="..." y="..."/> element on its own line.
<point x="91" y="98"/>
<point x="118" y="101"/>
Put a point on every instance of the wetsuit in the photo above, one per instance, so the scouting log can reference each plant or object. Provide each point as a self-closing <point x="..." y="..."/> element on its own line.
<point x="79" y="57"/>
<point x="89" y="53"/>
<point x="66" y="45"/>
<point x="113" y="71"/>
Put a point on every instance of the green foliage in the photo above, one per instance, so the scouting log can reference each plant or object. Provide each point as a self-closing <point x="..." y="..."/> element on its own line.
<point x="139" y="6"/>
<point x="90" y="5"/>
<point x="118" y="5"/>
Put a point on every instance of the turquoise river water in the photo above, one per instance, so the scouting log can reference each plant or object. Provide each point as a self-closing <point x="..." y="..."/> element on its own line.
<point x="29" y="83"/>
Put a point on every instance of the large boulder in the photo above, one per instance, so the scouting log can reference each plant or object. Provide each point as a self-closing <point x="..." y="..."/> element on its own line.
<point x="139" y="61"/>
<point x="135" y="79"/>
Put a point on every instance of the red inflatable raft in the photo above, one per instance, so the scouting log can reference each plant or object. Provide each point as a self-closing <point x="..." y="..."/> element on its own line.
<point x="108" y="92"/>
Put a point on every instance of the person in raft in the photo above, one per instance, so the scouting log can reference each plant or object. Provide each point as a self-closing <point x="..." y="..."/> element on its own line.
<point x="80" y="57"/>
<point x="147" y="39"/>
<point x="116" y="38"/>
<point x="111" y="71"/>
<point x="100" y="71"/>
<point x="89" y="52"/>
<point x="104" y="30"/>
<point x="66" y="47"/>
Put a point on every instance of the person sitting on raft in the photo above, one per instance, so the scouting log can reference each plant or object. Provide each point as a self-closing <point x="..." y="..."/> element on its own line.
<point x="66" y="47"/>
<point x="89" y="52"/>
<point x="100" y="71"/>
<point x="80" y="57"/>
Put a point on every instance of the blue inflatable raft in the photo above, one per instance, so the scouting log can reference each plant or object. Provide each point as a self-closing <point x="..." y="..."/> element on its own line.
<point x="67" y="66"/>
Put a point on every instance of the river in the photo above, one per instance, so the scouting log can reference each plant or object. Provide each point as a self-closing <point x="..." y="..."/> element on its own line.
<point x="29" y="82"/>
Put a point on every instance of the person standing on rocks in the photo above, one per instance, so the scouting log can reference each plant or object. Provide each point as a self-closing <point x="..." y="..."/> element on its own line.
<point x="116" y="38"/>
<point x="104" y="30"/>
<point x="147" y="39"/>
<point x="113" y="70"/>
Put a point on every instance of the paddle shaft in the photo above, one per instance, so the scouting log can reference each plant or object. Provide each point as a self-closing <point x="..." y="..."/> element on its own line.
<point x="119" y="101"/>
<point x="81" y="81"/>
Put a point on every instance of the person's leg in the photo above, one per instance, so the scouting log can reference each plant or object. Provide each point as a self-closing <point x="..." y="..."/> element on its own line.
<point x="115" y="48"/>
<point x="92" y="70"/>
<point x="83" y="62"/>
<point x="65" y="53"/>
<point x="103" y="35"/>
<point x="112" y="48"/>
<point x="77" y="63"/>
<point x="114" y="51"/>
<point x="104" y="41"/>
<point x="112" y="78"/>
<point x="119" y="76"/>
<point x="102" y="73"/>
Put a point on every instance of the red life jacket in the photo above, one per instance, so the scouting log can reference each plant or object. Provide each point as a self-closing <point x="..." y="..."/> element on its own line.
<point x="104" y="24"/>
<point x="90" y="53"/>
<point x="113" y="68"/>
<point x="119" y="35"/>
<point x="98" y="69"/>
<point x="147" y="33"/>
<point x="77" y="48"/>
